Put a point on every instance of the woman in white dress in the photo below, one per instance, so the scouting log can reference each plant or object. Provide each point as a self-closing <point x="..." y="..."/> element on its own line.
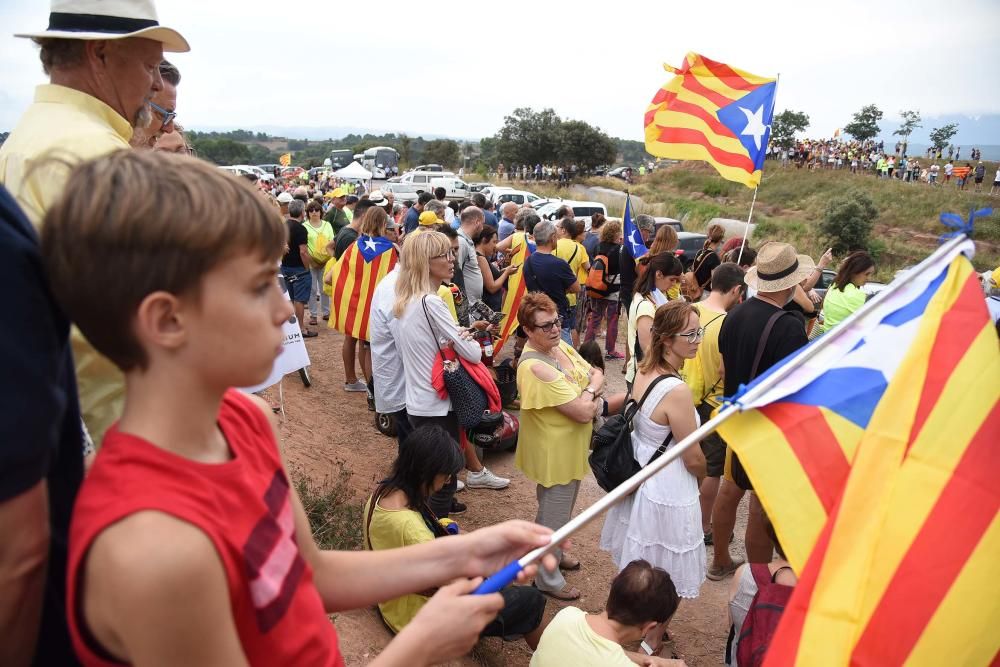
<point x="661" y="521"/>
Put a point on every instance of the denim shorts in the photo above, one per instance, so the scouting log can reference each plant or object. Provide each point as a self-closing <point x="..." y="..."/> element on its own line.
<point x="299" y="282"/>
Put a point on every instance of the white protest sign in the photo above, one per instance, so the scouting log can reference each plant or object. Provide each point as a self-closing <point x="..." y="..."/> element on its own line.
<point x="293" y="352"/>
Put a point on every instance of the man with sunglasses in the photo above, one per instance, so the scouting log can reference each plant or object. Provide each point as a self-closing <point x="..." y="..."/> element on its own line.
<point x="163" y="105"/>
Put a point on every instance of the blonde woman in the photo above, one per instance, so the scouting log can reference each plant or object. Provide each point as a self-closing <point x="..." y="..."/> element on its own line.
<point x="427" y="261"/>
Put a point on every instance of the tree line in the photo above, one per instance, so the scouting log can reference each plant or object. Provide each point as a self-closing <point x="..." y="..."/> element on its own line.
<point x="863" y="126"/>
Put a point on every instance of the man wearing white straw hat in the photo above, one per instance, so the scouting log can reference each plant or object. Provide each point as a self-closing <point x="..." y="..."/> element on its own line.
<point x="755" y="336"/>
<point x="103" y="59"/>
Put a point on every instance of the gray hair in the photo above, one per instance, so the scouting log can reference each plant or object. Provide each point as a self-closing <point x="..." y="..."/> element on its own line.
<point x="296" y="208"/>
<point x="545" y="233"/>
<point x="436" y="207"/>
<point x="646" y="222"/>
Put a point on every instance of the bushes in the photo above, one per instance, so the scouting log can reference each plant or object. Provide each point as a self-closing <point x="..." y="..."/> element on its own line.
<point x="848" y="221"/>
<point x="334" y="515"/>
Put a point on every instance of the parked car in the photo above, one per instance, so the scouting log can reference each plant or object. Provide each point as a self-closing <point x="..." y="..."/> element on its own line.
<point x="582" y="210"/>
<point x="454" y="188"/>
<point x="291" y="172"/>
<point x="273" y="169"/>
<point x="619" y="172"/>
<point x="490" y="190"/>
<point x="261" y="174"/>
<point x="478" y="187"/>
<point x="519" y="197"/>
<point x="676" y="224"/>
<point x="428" y="167"/>
<point x="689" y="243"/>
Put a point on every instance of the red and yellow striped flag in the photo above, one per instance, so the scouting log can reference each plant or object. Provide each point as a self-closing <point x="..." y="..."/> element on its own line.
<point x="520" y="248"/>
<point x="355" y="276"/>
<point x="905" y="570"/>
<point x="715" y="113"/>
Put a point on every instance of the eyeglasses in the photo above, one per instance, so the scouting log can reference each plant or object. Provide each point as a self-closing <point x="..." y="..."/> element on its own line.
<point x="547" y="326"/>
<point x="450" y="256"/>
<point x="167" y="116"/>
<point x="691" y="336"/>
<point x="315" y="210"/>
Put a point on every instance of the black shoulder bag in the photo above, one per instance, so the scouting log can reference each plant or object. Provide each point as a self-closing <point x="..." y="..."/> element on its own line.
<point x="468" y="399"/>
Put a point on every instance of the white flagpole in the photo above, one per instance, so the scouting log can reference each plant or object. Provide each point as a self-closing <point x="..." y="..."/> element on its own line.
<point x="497" y="581"/>
<point x="746" y="230"/>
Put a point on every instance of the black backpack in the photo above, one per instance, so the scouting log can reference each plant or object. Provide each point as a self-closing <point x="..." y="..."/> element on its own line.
<point x="611" y="458"/>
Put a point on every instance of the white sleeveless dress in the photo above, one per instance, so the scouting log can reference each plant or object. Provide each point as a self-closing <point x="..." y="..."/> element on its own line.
<point x="661" y="521"/>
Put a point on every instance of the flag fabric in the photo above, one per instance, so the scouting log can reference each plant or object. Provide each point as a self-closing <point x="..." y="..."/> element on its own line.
<point x="905" y="570"/>
<point x="634" y="245"/>
<point x="798" y="439"/>
<point x="285" y="159"/>
<point x="713" y="112"/>
<point x="355" y="276"/>
<point x="520" y="248"/>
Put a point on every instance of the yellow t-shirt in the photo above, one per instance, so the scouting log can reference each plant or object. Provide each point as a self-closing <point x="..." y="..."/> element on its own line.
<point x="575" y="255"/>
<point x="391" y="529"/>
<point x="553" y="447"/>
<point x="702" y="373"/>
<point x="327" y="269"/>
<point x="449" y="300"/>
<point x="569" y="640"/>
<point x="75" y="127"/>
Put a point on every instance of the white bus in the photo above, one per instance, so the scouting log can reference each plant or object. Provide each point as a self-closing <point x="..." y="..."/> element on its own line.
<point x="381" y="161"/>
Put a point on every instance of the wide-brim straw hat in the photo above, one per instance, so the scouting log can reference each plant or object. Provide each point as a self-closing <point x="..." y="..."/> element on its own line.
<point x="108" y="19"/>
<point x="778" y="267"/>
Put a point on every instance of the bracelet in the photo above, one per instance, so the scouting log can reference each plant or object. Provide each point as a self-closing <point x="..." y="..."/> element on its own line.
<point x="593" y="393"/>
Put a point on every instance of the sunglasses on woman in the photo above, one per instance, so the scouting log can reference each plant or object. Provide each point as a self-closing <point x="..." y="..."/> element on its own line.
<point x="547" y="326"/>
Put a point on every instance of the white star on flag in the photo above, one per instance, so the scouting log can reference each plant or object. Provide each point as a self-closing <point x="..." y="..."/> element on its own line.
<point x="634" y="241"/>
<point x="755" y="124"/>
<point x="370" y="244"/>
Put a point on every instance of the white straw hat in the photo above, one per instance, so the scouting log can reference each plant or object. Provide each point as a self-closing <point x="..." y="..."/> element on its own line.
<point x="108" y="19"/>
<point x="778" y="268"/>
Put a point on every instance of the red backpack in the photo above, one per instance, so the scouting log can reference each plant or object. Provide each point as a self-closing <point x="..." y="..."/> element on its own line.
<point x="762" y="618"/>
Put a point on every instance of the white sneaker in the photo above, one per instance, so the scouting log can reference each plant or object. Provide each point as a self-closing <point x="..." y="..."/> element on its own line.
<point x="357" y="386"/>
<point x="460" y="487"/>
<point x="484" y="479"/>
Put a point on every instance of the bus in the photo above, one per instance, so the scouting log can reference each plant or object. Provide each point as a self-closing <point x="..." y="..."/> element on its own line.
<point x="340" y="158"/>
<point x="382" y="161"/>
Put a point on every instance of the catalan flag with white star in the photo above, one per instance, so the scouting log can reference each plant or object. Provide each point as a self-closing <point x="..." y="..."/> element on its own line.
<point x="716" y="113"/>
<point x="355" y="276"/>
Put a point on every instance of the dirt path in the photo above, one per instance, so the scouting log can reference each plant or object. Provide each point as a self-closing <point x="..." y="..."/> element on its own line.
<point x="324" y="425"/>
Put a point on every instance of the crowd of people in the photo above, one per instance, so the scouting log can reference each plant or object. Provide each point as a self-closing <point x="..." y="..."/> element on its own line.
<point x="186" y="542"/>
<point x="871" y="157"/>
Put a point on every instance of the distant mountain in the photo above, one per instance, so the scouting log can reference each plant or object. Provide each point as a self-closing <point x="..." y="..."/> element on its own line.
<point x="321" y="133"/>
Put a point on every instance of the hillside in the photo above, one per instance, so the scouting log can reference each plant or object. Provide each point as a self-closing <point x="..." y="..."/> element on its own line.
<point x="791" y="202"/>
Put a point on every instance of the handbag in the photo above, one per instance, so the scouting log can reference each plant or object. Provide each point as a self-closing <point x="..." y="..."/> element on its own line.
<point x="611" y="458"/>
<point x="468" y="400"/>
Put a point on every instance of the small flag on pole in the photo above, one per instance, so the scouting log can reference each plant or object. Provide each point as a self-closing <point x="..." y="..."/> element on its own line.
<point x="285" y="159"/>
<point x="634" y="245"/>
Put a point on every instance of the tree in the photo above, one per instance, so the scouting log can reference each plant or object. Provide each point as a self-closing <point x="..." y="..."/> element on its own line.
<point x="222" y="151"/>
<point x="405" y="146"/>
<point x="528" y="136"/>
<point x="785" y="125"/>
<point x="865" y="123"/>
<point x="848" y="221"/>
<point x="584" y="145"/>
<point x="940" y="136"/>
<point x="442" y="151"/>
<point x="488" y="151"/>
<point x="911" y="121"/>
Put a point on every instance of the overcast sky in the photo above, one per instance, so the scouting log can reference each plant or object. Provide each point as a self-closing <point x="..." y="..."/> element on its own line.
<point x="457" y="68"/>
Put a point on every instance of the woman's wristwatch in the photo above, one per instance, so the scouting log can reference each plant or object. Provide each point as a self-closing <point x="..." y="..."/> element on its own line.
<point x="593" y="393"/>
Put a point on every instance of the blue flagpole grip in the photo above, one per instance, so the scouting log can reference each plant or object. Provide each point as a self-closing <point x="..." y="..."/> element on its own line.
<point x="499" y="581"/>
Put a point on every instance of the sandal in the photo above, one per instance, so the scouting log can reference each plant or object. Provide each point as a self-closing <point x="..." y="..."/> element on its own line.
<point x="569" y="564"/>
<point x="566" y="594"/>
<point x="719" y="573"/>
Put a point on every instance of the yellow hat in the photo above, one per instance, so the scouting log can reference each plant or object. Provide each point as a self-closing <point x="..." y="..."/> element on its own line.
<point x="428" y="218"/>
<point x="336" y="192"/>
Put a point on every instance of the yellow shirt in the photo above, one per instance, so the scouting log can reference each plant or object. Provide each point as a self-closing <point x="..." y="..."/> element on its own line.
<point x="702" y="373"/>
<point x="569" y="640"/>
<point x="575" y="255"/>
<point x="74" y="126"/>
<point x="553" y="447"/>
<point x="391" y="529"/>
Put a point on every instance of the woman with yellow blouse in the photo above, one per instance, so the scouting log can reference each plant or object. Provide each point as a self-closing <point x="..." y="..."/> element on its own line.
<point x="560" y="396"/>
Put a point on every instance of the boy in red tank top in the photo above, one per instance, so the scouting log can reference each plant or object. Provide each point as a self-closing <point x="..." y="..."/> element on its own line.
<point x="188" y="545"/>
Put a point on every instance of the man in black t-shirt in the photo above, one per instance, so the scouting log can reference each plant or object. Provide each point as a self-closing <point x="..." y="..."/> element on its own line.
<point x="544" y="272"/>
<point x="755" y="336"/>
<point x="296" y="263"/>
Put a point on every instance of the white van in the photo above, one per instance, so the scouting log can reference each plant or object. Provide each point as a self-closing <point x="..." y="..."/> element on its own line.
<point x="454" y="188"/>
<point x="422" y="179"/>
<point x="582" y="210"/>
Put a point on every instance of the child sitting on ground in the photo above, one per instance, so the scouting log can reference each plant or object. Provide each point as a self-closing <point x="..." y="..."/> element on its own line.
<point x="188" y="544"/>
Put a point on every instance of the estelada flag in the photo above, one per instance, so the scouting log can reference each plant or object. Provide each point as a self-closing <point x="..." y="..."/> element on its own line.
<point x="797" y="440"/>
<point x="713" y="112"/>
<point x="906" y="571"/>
<point x="633" y="243"/>
<point x="355" y="276"/>
<point x="520" y="248"/>
<point x="285" y="159"/>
